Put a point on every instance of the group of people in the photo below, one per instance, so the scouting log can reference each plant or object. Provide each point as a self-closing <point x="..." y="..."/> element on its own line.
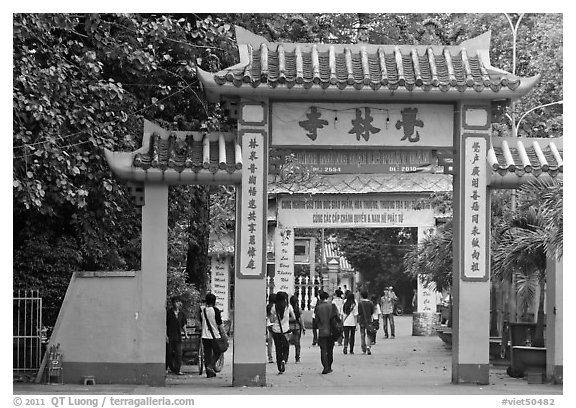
<point x="285" y="326"/>
<point x="212" y="330"/>
<point x="362" y="313"/>
<point x="284" y="321"/>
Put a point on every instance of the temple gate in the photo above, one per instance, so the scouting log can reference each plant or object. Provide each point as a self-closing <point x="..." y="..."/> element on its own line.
<point x="311" y="98"/>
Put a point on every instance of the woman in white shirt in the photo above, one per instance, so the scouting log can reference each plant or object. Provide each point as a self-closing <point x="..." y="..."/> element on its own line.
<point x="211" y="329"/>
<point x="280" y="315"/>
<point x="339" y="303"/>
<point x="375" y="316"/>
<point x="349" y="313"/>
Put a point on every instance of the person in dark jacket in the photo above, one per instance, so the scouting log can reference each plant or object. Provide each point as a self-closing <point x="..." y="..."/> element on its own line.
<point x="323" y="312"/>
<point x="365" y="311"/>
<point x="175" y="326"/>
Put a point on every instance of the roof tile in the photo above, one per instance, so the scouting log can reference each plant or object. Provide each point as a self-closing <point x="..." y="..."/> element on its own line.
<point x="526" y="155"/>
<point x="271" y="64"/>
<point x="180" y="153"/>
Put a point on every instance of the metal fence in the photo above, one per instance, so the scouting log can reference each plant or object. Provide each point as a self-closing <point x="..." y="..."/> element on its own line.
<point x="305" y="289"/>
<point x="27" y="332"/>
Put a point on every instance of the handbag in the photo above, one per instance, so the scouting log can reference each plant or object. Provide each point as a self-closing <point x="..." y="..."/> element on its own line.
<point x="369" y="324"/>
<point x="288" y="336"/>
<point x="336" y="327"/>
<point x="221" y="344"/>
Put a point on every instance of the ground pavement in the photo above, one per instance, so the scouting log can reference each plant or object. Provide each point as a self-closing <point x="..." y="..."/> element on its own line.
<point x="406" y="365"/>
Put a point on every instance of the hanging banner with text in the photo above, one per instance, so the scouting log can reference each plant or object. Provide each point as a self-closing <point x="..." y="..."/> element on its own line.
<point x="284" y="259"/>
<point x="354" y="211"/>
<point x="474" y="240"/>
<point x="305" y="124"/>
<point x="220" y="283"/>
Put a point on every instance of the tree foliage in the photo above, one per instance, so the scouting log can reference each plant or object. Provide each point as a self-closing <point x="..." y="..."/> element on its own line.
<point x="82" y="83"/>
<point x="377" y="254"/>
<point x="531" y="236"/>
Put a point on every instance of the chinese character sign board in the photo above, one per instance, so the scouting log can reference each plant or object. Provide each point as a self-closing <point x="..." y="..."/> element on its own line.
<point x="474" y="210"/>
<point x="362" y="125"/>
<point x="251" y="256"/>
<point x="284" y="275"/>
<point x="220" y="270"/>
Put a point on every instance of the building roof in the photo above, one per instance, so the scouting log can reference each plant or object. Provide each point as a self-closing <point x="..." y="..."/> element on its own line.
<point x="373" y="183"/>
<point x="179" y="157"/>
<point x="221" y="245"/>
<point x="514" y="160"/>
<point x="331" y="252"/>
<point x="323" y="70"/>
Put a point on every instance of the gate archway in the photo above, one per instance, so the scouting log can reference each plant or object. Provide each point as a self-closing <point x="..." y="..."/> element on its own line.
<point x="316" y="98"/>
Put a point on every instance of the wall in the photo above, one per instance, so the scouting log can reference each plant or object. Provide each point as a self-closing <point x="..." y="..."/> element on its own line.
<point x="99" y="332"/>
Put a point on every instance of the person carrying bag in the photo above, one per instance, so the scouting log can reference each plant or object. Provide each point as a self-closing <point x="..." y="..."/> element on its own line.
<point x="366" y="308"/>
<point x="280" y="315"/>
<point x="214" y="344"/>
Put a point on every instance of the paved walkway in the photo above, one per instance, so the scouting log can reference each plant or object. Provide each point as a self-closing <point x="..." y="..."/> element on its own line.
<point x="406" y="365"/>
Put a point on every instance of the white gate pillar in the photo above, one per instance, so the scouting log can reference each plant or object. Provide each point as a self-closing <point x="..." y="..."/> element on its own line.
<point x="249" y="365"/>
<point x="554" y="321"/>
<point x="151" y="307"/>
<point x="471" y="277"/>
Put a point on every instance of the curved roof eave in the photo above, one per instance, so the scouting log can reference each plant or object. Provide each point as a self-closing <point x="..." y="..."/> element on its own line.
<point x="513" y="181"/>
<point x="121" y="164"/>
<point x="214" y="92"/>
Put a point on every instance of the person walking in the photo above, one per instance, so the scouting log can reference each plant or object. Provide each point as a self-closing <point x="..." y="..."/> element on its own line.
<point x="350" y="312"/>
<point x="323" y="313"/>
<point x="280" y="315"/>
<point x="375" y="317"/>
<point x="296" y="326"/>
<point x="365" y="311"/>
<point x="339" y="303"/>
<point x="175" y="328"/>
<point x="313" y="303"/>
<point x="387" y="305"/>
<point x="211" y="329"/>
<point x="269" y="336"/>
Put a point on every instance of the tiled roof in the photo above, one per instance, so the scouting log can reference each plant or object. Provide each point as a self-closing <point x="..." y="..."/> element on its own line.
<point x="524" y="155"/>
<point x="179" y="157"/>
<point x="374" y="183"/>
<point x="436" y="69"/>
<point x="513" y="160"/>
<point x="331" y="251"/>
<point x="194" y="151"/>
<point x="221" y="245"/>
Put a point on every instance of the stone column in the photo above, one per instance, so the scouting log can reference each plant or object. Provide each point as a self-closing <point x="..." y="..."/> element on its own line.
<point x="471" y="285"/>
<point x="554" y="322"/>
<point x="150" y="341"/>
<point x="425" y="318"/>
<point x="249" y="365"/>
<point x="333" y="268"/>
